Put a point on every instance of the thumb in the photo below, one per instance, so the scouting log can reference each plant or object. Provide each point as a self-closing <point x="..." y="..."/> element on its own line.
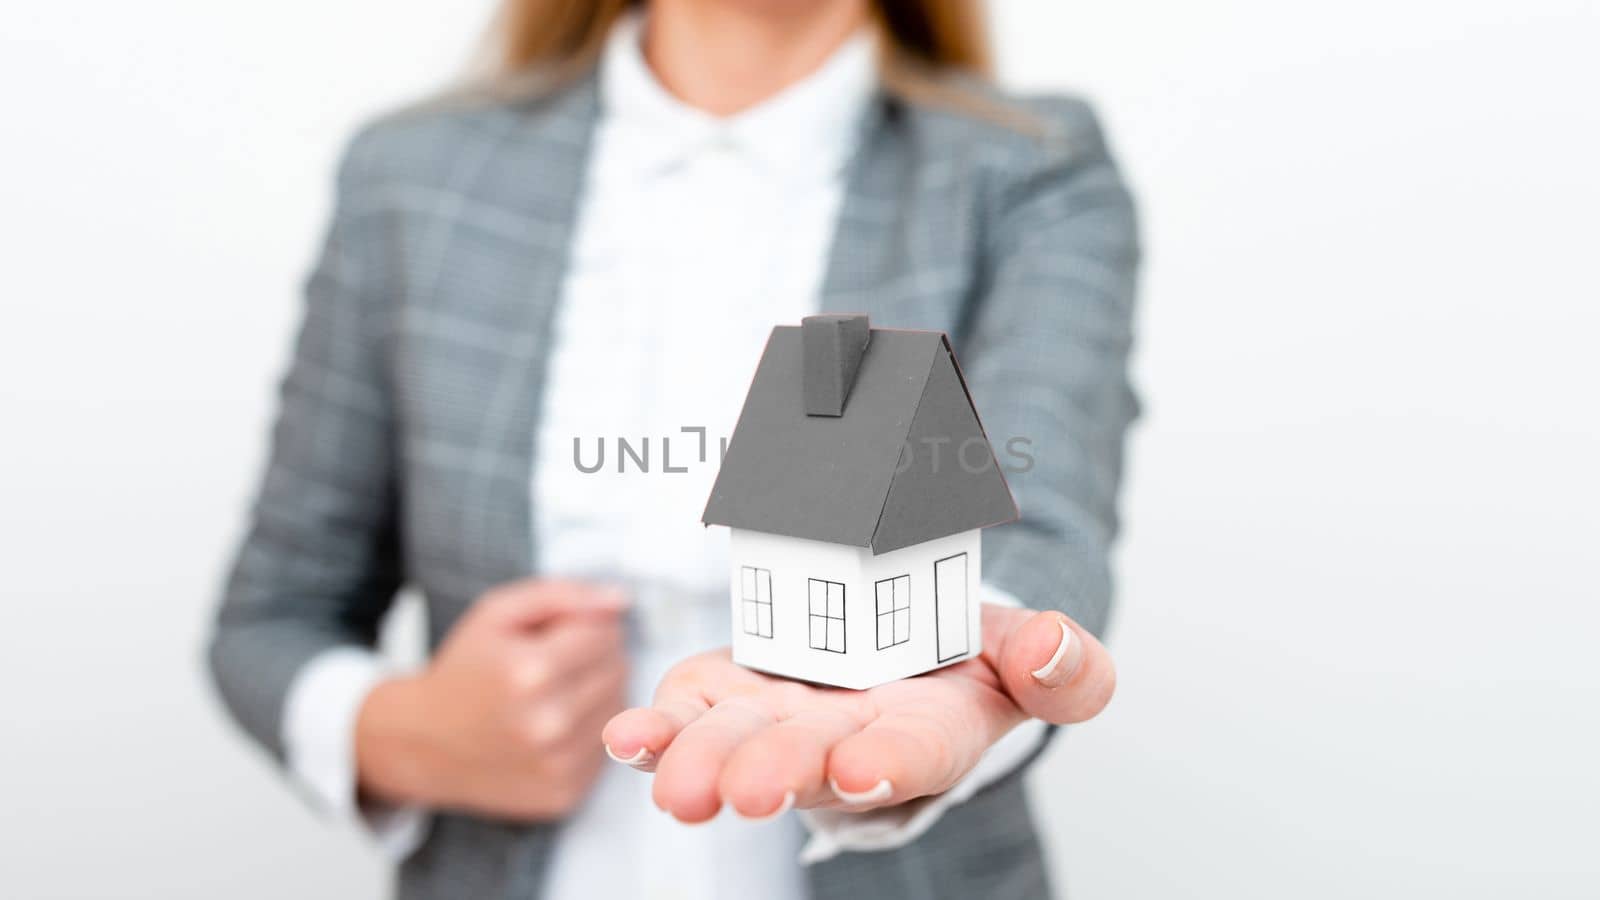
<point x="1052" y="668"/>
<point x="532" y="602"/>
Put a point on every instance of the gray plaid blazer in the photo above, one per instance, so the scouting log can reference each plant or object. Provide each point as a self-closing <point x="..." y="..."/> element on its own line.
<point x="403" y="447"/>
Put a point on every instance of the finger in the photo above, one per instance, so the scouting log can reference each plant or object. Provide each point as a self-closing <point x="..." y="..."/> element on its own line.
<point x="1052" y="668"/>
<point x="560" y="652"/>
<point x="913" y="749"/>
<point x="690" y="769"/>
<point x="638" y="737"/>
<point x="786" y="765"/>
<point x="533" y="601"/>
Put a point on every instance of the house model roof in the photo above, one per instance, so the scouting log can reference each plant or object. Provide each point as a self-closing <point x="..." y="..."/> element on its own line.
<point x="817" y="452"/>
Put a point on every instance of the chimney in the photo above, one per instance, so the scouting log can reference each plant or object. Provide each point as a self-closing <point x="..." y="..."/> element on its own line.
<point x="831" y="346"/>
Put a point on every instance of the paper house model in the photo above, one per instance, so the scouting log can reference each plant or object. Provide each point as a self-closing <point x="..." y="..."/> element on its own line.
<point x="855" y="485"/>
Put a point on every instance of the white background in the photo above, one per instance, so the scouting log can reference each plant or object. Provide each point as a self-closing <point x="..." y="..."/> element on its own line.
<point x="1360" y="605"/>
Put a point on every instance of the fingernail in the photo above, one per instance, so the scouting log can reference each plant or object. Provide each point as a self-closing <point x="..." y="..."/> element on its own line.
<point x="641" y="757"/>
<point x="1065" y="660"/>
<point x="785" y="806"/>
<point x="875" y="794"/>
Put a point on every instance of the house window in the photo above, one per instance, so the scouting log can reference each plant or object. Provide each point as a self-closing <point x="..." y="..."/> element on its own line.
<point x="894" y="611"/>
<point x="755" y="596"/>
<point x="826" y="614"/>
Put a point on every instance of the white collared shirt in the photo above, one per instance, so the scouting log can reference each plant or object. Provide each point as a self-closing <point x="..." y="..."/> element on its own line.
<point x="695" y="235"/>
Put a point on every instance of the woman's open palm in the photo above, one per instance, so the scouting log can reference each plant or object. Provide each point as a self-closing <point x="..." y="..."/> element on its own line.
<point x="720" y="733"/>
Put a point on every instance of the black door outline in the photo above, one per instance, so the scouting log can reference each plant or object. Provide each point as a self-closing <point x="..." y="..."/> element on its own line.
<point x="966" y="630"/>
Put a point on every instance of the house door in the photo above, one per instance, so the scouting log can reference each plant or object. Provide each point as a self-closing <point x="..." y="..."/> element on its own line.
<point x="950" y="605"/>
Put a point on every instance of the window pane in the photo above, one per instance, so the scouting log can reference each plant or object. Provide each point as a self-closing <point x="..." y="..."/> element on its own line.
<point x="835" y="600"/>
<point x="902" y="592"/>
<point x="819" y="633"/>
<point x="902" y="626"/>
<point x="747" y="583"/>
<point x="885" y="630"/>
<point x="885" y="598"/>
<point x="819" y="596"/>
<point x="764" y="585"/>
<point x="763" y="619"/>
<point x="749" y="617"/>
<point x="836" y="635"/>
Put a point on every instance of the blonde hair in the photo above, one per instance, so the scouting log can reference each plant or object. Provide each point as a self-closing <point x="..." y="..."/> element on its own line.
<point x="931" y="52"/>
<point x="562" y="36"/>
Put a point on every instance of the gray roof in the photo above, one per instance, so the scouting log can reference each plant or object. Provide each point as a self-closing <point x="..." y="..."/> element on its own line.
<point x="833" y="477"/>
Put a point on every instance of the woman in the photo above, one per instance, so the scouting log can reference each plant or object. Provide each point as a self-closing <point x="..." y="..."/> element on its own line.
<point x="595" y="247"/>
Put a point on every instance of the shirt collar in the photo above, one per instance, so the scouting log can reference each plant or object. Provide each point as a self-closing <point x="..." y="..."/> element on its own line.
<point x="808" y="130"/>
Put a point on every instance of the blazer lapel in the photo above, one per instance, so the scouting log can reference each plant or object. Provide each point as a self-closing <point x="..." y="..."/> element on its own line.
<point x="530" y="180"/>
<point x="860" y="271"/>
<point x="900" y="252"/>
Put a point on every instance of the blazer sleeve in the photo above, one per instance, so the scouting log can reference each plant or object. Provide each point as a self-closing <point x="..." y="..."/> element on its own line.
<point x="1047" y="363"/>
<point x="319" y="564"/>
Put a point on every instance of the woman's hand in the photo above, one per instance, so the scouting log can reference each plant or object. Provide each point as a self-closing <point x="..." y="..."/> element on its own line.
<point x="503" y="720"/>
<point x="719" y="733"/>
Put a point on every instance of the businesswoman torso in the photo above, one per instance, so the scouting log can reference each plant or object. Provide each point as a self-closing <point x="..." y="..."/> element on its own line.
<point x="591" y="248"/>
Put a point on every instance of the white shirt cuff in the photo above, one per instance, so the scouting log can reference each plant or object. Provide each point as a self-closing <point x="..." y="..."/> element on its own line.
<point x="319" y="725"/>
<point x="836" y="831"/>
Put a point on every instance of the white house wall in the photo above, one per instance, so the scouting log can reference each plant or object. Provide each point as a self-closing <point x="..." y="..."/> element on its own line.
<point x="792" y="561"/>
<point x="919" y="654"/>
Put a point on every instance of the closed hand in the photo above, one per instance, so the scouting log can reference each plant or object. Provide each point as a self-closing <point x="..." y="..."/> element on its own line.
<point x="504" y="720"/>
